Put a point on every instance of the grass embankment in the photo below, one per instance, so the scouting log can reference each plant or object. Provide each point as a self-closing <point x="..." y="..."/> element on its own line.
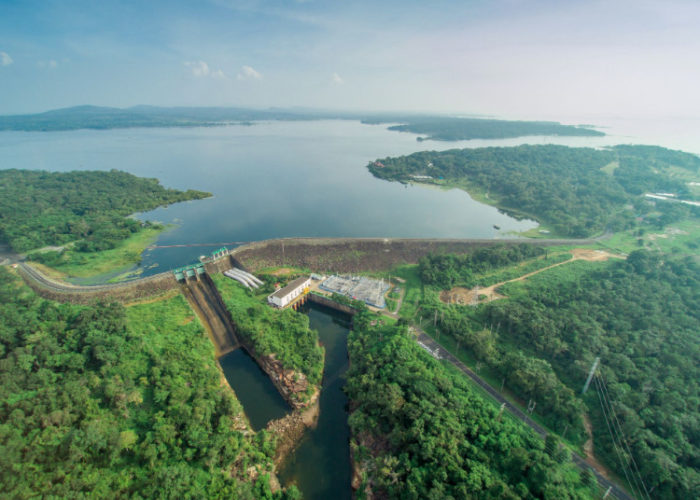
<point x="126" y="254"/>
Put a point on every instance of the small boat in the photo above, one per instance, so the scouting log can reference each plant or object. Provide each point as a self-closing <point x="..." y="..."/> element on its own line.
<point x="498" y="228"/>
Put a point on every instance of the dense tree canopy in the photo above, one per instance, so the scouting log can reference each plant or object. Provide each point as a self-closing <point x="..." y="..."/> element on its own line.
<point x="105" y="402"/>
<point x="444" y="128"/>
<point x="39" y="208"/>
<point x="447" y="270"/>
<point x="419" y="431"/>
<point x="577" y="191"/>
<point x="641" y="317"/>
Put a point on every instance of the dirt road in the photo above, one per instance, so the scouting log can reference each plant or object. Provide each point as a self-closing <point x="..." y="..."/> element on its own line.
<point x="464" y="296"/>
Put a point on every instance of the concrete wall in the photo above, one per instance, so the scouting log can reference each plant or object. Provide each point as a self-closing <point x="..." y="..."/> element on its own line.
<point x="325" y="301"/>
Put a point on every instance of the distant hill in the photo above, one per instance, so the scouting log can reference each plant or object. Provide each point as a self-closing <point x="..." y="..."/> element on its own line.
<point x="436" y="127"/>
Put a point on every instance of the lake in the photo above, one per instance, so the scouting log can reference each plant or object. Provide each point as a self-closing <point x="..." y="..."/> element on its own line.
<point x="278" y="179"/>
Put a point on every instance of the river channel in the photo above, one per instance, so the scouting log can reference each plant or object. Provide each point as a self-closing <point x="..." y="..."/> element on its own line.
<point x="320" y="465"/>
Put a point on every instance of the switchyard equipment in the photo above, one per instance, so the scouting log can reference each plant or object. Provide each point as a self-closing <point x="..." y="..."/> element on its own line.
<point x="367" y="290"/>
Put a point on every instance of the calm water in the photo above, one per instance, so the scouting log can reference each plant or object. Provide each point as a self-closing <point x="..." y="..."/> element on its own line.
<point x="269" y="180"/>
<point x="282" y="179"/>
<point x="260" y="399"/>
<point x="320" y="466"/>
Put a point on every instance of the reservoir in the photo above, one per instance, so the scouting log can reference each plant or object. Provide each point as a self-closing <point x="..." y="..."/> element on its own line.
<point x="306" y="178"/>
<point x="269" y="180"/>
<point x="320" y="466"/>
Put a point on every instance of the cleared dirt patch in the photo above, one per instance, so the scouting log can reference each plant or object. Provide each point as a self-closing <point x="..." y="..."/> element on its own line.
<point x="464" y="296"/>
<point x="592" y="255"/>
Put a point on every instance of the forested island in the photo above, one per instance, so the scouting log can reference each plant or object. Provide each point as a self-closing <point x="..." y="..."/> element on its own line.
<point x="460" y="129"/>
<point x="577" y="192"/>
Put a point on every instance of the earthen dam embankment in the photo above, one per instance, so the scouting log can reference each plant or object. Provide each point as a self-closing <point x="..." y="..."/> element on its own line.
<point x="351" y="255"/>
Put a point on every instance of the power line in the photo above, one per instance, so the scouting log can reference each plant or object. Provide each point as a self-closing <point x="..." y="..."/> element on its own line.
<point x="629" y="451"/>
<point x="612" y="435"/>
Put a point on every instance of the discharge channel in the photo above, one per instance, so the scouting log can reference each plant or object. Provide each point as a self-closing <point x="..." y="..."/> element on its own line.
<point x="320" y="466"/>
<point x="260" y="399"/>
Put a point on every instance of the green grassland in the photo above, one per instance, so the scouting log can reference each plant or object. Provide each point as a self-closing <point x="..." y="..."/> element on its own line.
<point x="126" y="254"/>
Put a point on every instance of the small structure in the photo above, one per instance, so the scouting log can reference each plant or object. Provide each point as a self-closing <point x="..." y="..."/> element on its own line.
<point x="285" y="296"/>
<point x="190" y="271"/>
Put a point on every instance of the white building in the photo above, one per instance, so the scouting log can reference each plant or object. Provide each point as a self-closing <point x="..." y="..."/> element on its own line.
<point x="283" y="296"/>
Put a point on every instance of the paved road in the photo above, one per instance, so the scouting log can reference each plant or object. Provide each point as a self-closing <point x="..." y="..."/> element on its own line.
<point x="577" y="459"/>
<point x="62" y="287"/>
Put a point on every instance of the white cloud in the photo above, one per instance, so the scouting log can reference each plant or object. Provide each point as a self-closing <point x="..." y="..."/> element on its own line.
<point x="337" y="79"/>
<point x="5" y="59"/>
<point x="199" y="68"/>
<point x="50" y="64"/>
<point x="248" y="73"/>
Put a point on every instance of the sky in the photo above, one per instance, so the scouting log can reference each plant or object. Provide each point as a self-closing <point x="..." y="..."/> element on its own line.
<point x="507" y="58"/>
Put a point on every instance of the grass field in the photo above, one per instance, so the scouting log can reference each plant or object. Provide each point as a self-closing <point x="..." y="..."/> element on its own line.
<point x="127" y="254"/>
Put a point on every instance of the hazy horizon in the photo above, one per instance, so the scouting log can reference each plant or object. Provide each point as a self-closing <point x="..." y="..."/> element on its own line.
<point x="511" y="59"/>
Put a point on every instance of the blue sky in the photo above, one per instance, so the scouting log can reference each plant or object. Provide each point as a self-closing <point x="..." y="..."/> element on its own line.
<point x="509" y="58"/>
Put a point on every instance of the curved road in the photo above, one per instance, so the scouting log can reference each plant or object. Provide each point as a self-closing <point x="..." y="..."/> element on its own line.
<point x="62" y="287"/>
<point x="577" y="459"/>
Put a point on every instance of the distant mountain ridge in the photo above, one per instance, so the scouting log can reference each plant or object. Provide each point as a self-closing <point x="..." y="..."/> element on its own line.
<point x="438" y="127"/>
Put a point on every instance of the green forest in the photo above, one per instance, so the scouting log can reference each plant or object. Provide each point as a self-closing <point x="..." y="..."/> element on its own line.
<point x="445" y="128"/>
<point x="87" y="208"/>
<point x="640" y="316"/>
<point x="420" y="431"/>
<point x="578" y="192"/>
<point x="113" y="402"/>
<point x="448" y="270"/>
<point x="284" y="333"/>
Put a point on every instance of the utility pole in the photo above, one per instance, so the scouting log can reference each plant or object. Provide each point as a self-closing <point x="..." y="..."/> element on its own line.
<point x="435" y="319"/>
<point x="500" y="411"/>
<point x="531" y="406"/>
<point x="590" y="375"/>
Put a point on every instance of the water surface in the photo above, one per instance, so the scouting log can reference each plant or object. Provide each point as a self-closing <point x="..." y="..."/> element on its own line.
<point x="320" y="466"/>
<point x="279" y="179"/>
<point x="260" y="399"/>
